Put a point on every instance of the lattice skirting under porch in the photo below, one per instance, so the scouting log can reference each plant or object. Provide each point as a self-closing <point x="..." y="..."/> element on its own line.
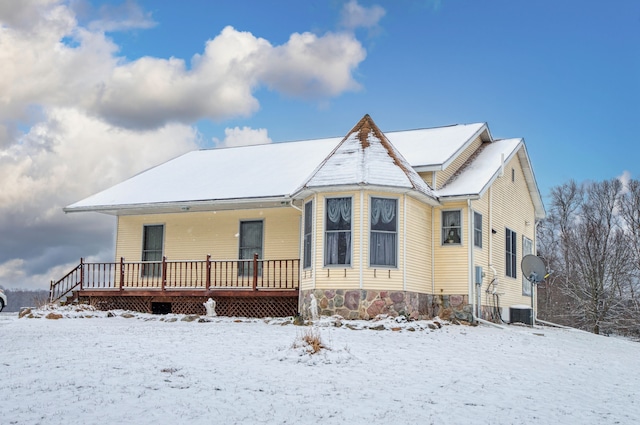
<point x="225" y="306"/>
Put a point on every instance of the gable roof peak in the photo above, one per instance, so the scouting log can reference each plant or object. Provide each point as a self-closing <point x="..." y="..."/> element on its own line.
<point x="363" y="128"/>
<point x="365" y="156"/>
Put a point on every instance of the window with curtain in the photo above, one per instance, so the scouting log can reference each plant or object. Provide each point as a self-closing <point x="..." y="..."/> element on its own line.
<point x="384" y="232"/>
<point x="477" y="229"/>
<point x="511" y="260"/>
<point x="152" y="241"/>
<point x="527" y="248"/>
<point x="308" y="226"/>
<point x="337" y="242"/>
<point x="250" y="244"/>
<point x="451" y="227"/>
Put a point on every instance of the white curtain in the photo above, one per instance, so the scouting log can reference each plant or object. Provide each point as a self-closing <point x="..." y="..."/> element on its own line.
<point x="338" y="244"/>
<point x="382" y="246"/>
<point x="339" y="208"/>
<point x="383" y="249"/>
<point x="338" y="234"/>
<point x="384" y="209"/>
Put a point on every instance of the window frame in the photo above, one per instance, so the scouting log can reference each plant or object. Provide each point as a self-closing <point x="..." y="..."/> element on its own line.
<point x="446" y="229"/>
<point x="511" y="253"/>
<point x="326" y="232"/>
<point x="394" y="232"/>
<point x="151" y="268"/>
<point x="307" y="238"/>
<point x="244" y="271"/>
<point x="477" y="232"/>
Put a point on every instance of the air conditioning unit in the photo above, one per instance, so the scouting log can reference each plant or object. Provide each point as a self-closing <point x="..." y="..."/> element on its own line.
<point x="520" y="314"/>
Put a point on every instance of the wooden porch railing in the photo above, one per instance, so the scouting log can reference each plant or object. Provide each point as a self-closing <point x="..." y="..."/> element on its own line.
<point x="205" y="275"/>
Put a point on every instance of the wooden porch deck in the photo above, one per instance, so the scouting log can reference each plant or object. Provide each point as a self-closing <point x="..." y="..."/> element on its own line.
<point x="255" y="284"/>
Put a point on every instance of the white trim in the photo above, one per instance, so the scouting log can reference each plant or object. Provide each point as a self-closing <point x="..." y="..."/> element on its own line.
<point x="461" y="243"/>
<point x="361" y="277"/>
<point x="315" y="227"/>
<point x="303" y="225"/>
<point x="404" y="242"/>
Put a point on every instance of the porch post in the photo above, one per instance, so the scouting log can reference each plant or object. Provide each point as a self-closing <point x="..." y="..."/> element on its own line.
<point x="164" y="272"/>
<point x="121" y="283"/>
<point x="208" y="284"/>
<point x="81" y="272"/>
<point x="255" y="272"/>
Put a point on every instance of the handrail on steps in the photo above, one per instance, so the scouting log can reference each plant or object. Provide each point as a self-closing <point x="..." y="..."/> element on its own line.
<point x="66" y="284"/>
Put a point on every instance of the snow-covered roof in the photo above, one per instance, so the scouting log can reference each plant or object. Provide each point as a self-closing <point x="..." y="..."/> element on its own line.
<point x="433" y="149"/>
<point x="366" y="157"/>
<point x="274" y="174"/>
<point x="474" y="177"/>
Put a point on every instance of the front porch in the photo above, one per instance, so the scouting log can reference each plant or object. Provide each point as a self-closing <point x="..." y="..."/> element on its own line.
<point x="248" y="288"/>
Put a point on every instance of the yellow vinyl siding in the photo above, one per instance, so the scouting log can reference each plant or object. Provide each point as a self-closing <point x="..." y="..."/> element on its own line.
<point x="427" y="176"/>
<point x="512" y="208"/>
<point x="443" y="176"/>
<point x="451" y="270"/>
<point x="418" y="246"/>
<point x="193" y="235"/>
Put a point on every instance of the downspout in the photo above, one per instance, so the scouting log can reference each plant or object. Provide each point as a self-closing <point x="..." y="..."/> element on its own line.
<point x="404" y="242"/>
<point x="493" y="270"/>
<point x="470" y="248"/>
<point x="433" y="255"/>
<point x="490" y="241"/>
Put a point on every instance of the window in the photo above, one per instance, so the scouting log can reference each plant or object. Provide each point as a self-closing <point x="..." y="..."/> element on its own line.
<point x="513" y="175"/>
<point x="477" y="229"/>
<point x="451" y="227"/>
<point x="250" y="244"/>
<point x="308" y="225"/>
<point x="337" y="244"/>
<point x="527" y="248"/>
<point x="384" y="232"/>
<point x="511" y="253"/>
<point x="152" y="241"/>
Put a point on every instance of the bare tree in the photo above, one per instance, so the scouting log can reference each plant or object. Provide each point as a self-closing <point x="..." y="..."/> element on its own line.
<point x="586" y="243"/>
<point x="630" y="212"/>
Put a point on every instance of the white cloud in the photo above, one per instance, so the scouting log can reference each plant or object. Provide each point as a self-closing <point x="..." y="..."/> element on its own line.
<point x="356" y="16"/>
<point x="41" y="69"/>
<point x="313" y="67"/>
<point x="244" y="136"/>
<point x="150" y="92"/>
<point x="75" y="117"/>
<point x="63" y="159"/>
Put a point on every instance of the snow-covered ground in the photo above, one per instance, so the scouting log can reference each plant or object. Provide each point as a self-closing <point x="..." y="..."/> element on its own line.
<point x="163" y="370"/>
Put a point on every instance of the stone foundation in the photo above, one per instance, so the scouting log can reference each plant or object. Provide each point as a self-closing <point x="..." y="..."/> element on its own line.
<point x="367" y="304"/>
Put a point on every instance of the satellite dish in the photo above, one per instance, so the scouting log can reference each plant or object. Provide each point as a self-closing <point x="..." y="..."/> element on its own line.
<point x="533" y="268"/>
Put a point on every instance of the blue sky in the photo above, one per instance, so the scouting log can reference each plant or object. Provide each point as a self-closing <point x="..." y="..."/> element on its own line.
<point x="94" y="92"/>
<point x="563" y="75"/>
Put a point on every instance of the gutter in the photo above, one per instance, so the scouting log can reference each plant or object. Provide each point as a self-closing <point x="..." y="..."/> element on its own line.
<point x="181" y="205"/>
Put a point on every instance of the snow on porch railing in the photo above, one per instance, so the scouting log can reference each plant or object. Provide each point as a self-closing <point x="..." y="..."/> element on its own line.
<point x="208" y="274"/>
